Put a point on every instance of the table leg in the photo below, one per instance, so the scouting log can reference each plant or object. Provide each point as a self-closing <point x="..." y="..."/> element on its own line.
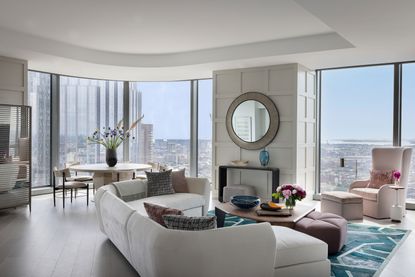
<point x="220" y="217"/>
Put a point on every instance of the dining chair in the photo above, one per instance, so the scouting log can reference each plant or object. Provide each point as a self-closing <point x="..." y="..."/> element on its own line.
<point x="67" y="185"/>
<point x="82" y="178"/>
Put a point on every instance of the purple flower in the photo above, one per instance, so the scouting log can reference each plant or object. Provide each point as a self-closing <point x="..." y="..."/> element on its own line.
<point x="396" y="175"/>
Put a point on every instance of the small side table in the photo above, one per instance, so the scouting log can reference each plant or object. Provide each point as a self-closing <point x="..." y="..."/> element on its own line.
<point x="396" y="209"/>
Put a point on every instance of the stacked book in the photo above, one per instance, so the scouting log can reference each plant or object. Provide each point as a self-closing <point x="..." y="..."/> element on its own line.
<point x="272" y="209"/>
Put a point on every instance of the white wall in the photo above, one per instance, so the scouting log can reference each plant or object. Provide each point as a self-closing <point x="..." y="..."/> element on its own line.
<point x="13" y="81"/>
<point x="291" y="87"/>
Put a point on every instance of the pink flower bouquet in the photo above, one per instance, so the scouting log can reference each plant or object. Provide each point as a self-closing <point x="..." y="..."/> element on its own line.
<point x="291" y="193"/>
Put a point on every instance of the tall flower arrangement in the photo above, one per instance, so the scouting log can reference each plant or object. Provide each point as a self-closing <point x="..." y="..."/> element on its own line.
<point x="112" y="138"/>
<point x="290" y="193"/>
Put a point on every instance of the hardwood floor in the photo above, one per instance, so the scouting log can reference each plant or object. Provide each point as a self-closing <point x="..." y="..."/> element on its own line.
<point x="55" y="242"/>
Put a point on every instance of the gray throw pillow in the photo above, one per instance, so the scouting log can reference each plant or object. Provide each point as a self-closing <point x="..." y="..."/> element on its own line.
<point x="159" y="183"/>
<point x="189" y="223"/>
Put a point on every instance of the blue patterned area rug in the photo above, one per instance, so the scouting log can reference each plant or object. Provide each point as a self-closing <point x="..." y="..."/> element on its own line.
<point x="366" y="253"/>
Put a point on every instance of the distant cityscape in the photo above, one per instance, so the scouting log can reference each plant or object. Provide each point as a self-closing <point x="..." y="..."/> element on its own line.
<point x="357" y="164"/>
<point x="89" y="104"/>
<point x="93" y="109"/>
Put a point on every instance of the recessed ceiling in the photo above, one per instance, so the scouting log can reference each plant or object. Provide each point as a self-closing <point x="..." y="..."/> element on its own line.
<point x="158" y="26"/>
<point x="183" y="39"/>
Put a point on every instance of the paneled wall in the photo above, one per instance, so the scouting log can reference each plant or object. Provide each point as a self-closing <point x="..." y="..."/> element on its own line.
<point x="13" y="81"/>
<point x="291" y="87"/>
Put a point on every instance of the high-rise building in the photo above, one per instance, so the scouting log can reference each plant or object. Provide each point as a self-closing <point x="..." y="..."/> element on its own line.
<point x="145" y="143"/>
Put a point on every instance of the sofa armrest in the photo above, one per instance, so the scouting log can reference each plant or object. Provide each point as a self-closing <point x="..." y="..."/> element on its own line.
<point x="359" y="184"/>
<point x="200" y="186"/>
<point x="386" y="196"/>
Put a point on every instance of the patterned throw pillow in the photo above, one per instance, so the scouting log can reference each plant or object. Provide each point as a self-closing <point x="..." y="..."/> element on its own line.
<point x="379" y="178"/>
<point x="179" y="181"/>
<point x="190" y="223"/>
<point x="159" y="183"/>
<point x="156" y="212"/>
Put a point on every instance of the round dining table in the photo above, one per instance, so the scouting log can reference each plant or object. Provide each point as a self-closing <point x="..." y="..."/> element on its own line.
<point x="103" y="174"/>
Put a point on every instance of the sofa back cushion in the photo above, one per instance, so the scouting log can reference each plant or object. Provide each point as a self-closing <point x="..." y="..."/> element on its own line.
<point x="190" y="223"/>
<point x="159" y="183"/>
<point x="156" y="212"/>
<point x="379" y="178"/>
<point x="158" y="251"/>
<point x="179" y="181"/>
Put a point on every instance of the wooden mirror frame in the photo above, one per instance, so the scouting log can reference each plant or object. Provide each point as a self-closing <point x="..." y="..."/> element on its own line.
<point x="274" y="120"/>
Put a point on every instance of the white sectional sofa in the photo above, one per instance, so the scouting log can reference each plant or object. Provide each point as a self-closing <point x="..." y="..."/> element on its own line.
<point x="248" y="250"/>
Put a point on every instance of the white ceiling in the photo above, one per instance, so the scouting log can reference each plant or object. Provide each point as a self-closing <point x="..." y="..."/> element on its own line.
<point x="182" y="39"/>
<point x="158" y="26"/>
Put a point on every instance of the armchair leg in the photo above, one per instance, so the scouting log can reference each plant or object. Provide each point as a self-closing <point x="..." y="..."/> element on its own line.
<point x="71" y="195"/>
<point x="87" y="195"/>
<point x="63" y="191"/>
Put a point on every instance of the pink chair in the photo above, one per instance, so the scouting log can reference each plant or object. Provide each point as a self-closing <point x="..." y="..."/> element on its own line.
<point x="377" y="202"/>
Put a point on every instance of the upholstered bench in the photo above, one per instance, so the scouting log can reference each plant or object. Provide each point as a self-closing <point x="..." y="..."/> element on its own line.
<point x="233" y="190"/>
<point x="345" y="204"/>
<point x="330" y="228"/>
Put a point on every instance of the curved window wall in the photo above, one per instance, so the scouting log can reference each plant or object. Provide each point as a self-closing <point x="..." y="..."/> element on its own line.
<point x="164" y="135"/>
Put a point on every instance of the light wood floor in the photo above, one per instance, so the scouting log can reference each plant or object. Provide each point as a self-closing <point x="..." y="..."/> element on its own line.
<point x="55" y="242"/>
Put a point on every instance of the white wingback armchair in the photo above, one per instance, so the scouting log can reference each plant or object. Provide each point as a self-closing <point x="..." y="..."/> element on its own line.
<point x="377" y="202"/>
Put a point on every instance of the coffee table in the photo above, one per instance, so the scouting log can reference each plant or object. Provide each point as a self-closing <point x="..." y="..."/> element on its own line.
<point x="299" y="211"/>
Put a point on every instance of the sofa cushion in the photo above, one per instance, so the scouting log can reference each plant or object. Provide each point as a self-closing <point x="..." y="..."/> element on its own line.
<point x="189" y="223"/>
<point x="367" y="193"/>
<point x="294" y="247"/>
<point x="180" y="201"/>
<point x="159" y="183"/>
<point x="179" y="181"/>
<point x="156" y="212"/>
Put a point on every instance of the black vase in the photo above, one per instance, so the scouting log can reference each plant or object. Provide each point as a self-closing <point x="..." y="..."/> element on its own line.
<point x="111" y="157"/>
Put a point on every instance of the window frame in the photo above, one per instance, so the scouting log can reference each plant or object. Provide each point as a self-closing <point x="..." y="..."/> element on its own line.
<point x="397" y="115"/>
<point x="55" y="118"/>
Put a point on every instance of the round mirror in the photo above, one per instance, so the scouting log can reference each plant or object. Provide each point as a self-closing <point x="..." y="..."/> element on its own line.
<point x="252" y="120"/>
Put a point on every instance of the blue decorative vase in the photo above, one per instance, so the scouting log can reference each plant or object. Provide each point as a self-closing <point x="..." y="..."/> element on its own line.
<point x="264" y="157"/>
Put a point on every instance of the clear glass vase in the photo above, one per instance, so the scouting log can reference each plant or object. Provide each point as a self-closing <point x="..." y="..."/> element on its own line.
<point x="290" y="203"/>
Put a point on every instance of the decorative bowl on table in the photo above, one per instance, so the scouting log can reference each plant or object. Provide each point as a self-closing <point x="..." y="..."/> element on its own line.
<point x="239" y="162"/>
<point x="245" y="201"/>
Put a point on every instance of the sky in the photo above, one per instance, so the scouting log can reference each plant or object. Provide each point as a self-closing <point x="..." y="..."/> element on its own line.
<point x="357" y="103"/>
<point x="166" y="105"/>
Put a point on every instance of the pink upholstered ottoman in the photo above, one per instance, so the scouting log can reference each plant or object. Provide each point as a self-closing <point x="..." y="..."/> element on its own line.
<point x="330" y="228"/>
<point x="343" y="203"/>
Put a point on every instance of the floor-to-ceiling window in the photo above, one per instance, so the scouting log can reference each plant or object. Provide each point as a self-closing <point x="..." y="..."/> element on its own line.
<point x="205" y="128"/>
<point x="356" y="115"/>
<point x="84" y="105"/>
<point x="408" y="121"/>
<point x="40" y="100"/>
<point x="87" y="105"/>
<point x="163" y="135"/>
